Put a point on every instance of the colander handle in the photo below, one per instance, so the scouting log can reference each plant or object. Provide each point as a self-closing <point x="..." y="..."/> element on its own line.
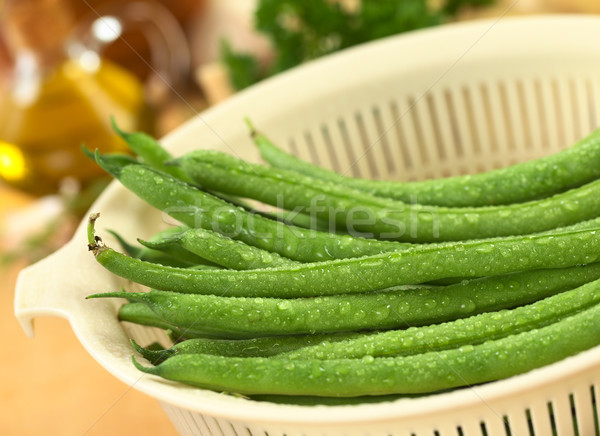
<point x="54" y="287"/>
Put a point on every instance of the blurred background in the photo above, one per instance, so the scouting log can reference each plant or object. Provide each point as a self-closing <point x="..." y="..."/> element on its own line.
<point x="67" y="67"/>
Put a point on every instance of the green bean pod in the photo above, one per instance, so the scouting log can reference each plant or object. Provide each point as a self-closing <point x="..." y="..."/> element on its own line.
<point x="196" y="208"/>
<point x="149" y="255"/>
<point x="460" y="332"/>
<point x="149" y="151"/>
<point x="365" y="215"/>
<point x="156" y="156"/>
<point x="419" y="373"/>
<point x="139" y="313"/>
<point x="171" y="255"/>
<point x="219" y="249"/>
<point x="419" y="264"/>
<point x="239" y="317"/>
<point x="254" y="347"/>
<point x="293" y="217"/>
<point x="549" y="175"/>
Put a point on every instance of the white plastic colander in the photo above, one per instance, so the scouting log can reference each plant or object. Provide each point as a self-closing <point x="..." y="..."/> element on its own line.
<point x="449" y="100"/>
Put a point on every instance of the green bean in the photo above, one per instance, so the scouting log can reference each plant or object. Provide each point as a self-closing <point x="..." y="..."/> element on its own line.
<point x="170" y="256"/>
<point x="196" y="208"/>
<point x="583" y="225"/>
<point x="575" y="166"/>
<point x="149" y="151"/>
<point x="147" y="254"/>
<point x="472" y="330"/>
<point x="152" y="153"/>
<point x="155" y="156"/>
<point x="294" y="218"/>
<point x="420" y="373"/>
<point x="139" y="313"/>
<point x="239" y="317"/>
<point x="219" y="249"/>
<point x="362" y="214"/>
<point x="178" y="252"/>
<point x="155" y="346"/>
<point x="370" y="273"/>
<point x="243" y="318"/>
<point x="303" y="220"/>
<point x="254" y="347"/>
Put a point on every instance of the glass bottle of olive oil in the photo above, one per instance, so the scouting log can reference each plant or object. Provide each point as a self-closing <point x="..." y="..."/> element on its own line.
<point x="59" y="96"/>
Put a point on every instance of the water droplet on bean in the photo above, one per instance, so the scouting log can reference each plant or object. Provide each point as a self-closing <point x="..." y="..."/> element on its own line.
<point x="404" y="307"/>
<point x="468" y="306"/>
<point x="284" y="305"/>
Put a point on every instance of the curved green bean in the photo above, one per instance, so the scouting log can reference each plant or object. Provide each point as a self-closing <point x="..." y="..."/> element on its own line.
<point x="420" y="373"/>
<point x="149" y="151"/>
<point x="196" y="208"/>
<point x="139" y="313"/>
<point x="149" y="255"/>
<point x="219" y="249"/>
<point x="370" y="273"/>
<point x="293" y="218"/>
<point x="549" y="175"/>
<point x="254" y="347"/>
<point x="153" y="154"/>
<point x="171" y="255"/>
<point x="365" y="215"/>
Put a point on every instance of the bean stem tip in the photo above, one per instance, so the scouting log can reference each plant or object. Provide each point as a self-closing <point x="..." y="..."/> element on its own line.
<point x="251" y="127"/>
<point x="146" y="369"/>
<point x="95" y="243"/>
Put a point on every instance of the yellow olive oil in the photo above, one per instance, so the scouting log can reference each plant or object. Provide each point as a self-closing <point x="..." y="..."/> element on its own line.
<point x="41" y="134"/>
<point x="57" y="99"/>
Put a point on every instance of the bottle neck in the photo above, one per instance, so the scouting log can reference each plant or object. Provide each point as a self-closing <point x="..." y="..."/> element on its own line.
<point x="38" y="30"/>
